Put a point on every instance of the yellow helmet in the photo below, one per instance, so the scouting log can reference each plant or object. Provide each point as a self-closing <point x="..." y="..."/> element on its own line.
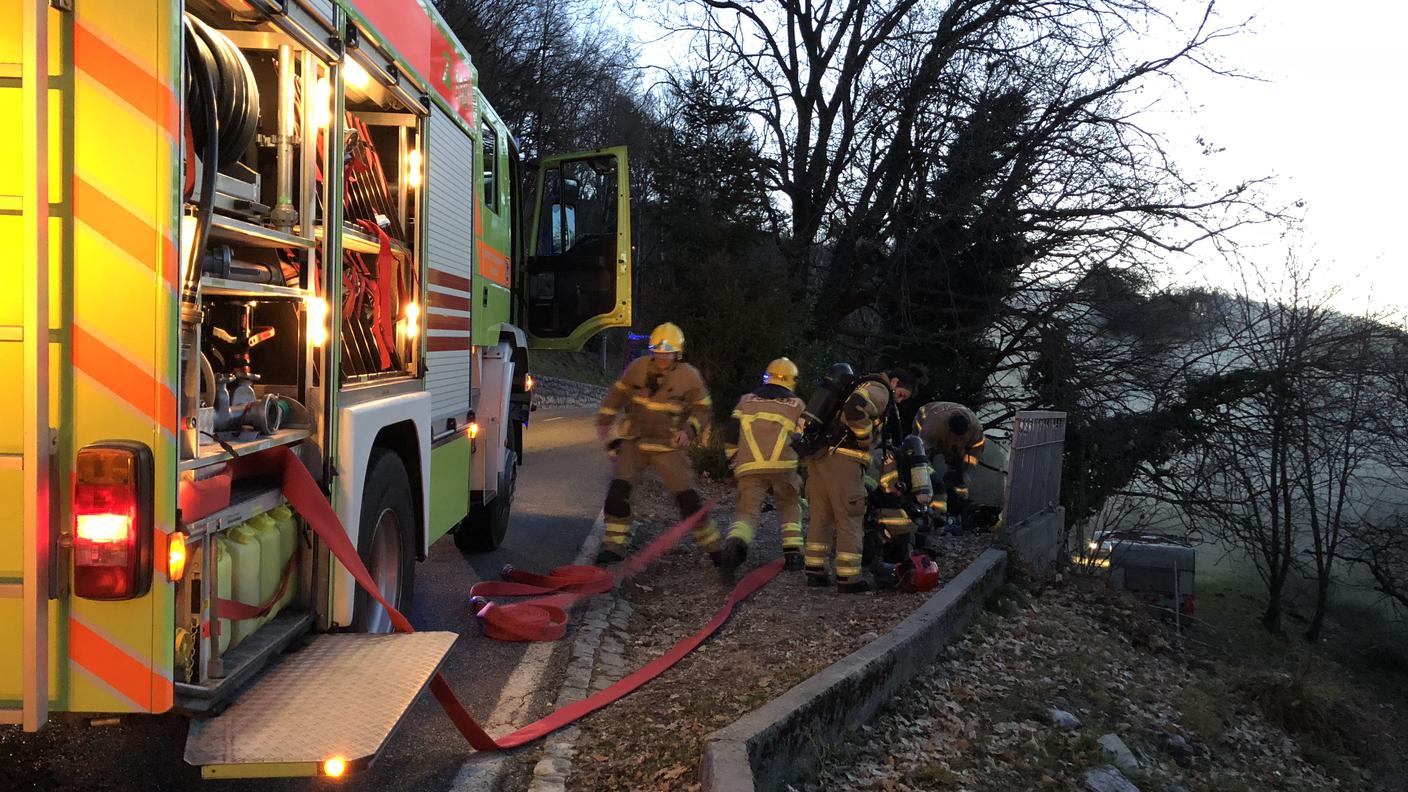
<point x="667" y="337"/>
<point x="782" y="372"/>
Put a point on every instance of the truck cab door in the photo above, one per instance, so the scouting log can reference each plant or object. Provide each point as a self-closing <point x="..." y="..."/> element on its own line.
<point x="578" y="274"/>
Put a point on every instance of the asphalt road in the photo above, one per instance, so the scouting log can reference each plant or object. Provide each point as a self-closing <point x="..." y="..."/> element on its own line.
<point x="560" y="487"/>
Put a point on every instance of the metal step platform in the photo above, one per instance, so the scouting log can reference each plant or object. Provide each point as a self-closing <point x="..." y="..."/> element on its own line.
<point x="327" y="709"/>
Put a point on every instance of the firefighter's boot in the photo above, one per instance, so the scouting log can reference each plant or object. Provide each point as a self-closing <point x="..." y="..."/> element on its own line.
<point x="792" y="561"/>
<point x="857" y="586"/>
<point x="733" y="554"/>
<point x="608" y="555"/>
<point x="885" y="576"/>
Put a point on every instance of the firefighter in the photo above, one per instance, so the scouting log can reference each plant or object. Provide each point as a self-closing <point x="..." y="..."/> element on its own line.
<point x="836" y="468"/>
<point x="762" y="459"/>
<point x="903" y="489"/>
<point x="953" y="436"/>
<point x="663" y="407"/>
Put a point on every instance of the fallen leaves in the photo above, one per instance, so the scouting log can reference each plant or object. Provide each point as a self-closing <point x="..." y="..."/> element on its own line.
<point x="782" y="635"/>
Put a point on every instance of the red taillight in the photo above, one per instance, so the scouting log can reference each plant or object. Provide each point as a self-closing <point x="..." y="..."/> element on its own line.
<point x="112" y="521"/>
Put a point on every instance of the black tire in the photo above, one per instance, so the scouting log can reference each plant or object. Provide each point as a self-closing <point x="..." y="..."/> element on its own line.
<point x="486" y="527"/>
<point x="387" y="505"/>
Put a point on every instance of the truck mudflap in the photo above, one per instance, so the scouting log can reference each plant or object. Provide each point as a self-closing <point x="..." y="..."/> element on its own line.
<point x="326" y="710"/>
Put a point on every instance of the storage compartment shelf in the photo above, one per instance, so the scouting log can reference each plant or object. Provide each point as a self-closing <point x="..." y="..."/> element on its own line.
<point x="229" y="229"/>
<point x="362" y="242"/>
<point x="244" y="661"/>
<point x="223" y="287"/>
<point x="246" y="501"/>
<point x="213" y="454"/>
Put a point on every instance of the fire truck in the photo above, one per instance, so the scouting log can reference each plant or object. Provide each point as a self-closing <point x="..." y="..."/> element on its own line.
<point x="240" y="226"/>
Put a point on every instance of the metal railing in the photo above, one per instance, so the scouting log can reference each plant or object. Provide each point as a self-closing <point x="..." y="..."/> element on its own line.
<point x="1034" y="469"/>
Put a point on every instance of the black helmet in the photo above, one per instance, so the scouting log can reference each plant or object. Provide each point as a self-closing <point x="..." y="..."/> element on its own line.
<point x="840" y="372"/>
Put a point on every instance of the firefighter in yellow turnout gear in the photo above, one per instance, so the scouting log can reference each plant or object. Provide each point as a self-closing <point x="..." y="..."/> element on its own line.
<point x="953" y="436"/>
<point x="758" y="443"/>
<point x="836" y="466"/>
<point x="663" y="407"/>
<point x="902" y="489"/>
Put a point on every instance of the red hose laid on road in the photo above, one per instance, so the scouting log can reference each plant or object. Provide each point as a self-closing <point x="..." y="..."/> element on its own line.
<point x="750" y="583"/>
<point x="307" y="499"/>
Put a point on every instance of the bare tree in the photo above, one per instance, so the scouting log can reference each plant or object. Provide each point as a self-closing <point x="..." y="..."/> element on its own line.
<point x="861" y="101"/>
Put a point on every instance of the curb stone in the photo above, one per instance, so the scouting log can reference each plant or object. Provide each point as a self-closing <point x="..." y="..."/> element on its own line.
<point x="777" y="742"/>
<point x="552" y="392"/>
<point x="597" y="663"/>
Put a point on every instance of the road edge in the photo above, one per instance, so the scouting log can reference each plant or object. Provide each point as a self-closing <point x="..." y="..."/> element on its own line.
<point x="780" y="740"/>
<point x="483" y="772"/>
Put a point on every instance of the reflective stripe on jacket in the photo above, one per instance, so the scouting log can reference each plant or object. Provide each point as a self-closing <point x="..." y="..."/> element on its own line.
<point x="863" y="413"/>
<point x="656" y="403"/>
<point x="759" y="432"/>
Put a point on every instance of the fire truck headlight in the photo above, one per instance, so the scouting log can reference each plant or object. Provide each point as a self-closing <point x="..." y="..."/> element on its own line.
<point x="317" y="309"/>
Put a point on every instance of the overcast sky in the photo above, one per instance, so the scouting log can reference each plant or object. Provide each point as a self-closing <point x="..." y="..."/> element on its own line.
<point x="1328" y="122"/>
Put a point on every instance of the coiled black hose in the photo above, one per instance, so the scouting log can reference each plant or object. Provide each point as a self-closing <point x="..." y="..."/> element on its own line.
<point x="237" y="97"/>
<point x="204" y="85"/>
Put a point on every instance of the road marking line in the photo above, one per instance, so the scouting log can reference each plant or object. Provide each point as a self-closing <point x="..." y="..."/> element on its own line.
<point x="482" y="772"/>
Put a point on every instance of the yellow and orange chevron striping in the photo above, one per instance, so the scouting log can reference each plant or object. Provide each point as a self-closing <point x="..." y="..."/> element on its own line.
<point x="138" y="85"/>
<point x="126" y="675"/>
<point x="126" y="204"/>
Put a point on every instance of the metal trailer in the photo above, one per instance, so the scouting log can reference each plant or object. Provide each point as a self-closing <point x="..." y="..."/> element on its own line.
<point x="173" y="307"/>
<point x="1160" y="570"/>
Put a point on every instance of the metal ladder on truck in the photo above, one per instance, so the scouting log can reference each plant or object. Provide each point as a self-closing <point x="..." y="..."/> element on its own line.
<point x="25" y="444"/>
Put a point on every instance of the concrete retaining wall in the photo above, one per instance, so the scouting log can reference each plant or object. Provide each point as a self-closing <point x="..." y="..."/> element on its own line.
<point x="1033" y="546"/>
<point x="782" y="739"/>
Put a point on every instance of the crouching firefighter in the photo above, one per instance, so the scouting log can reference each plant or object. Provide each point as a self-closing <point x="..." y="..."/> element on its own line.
<point x="663" y="407"/>
<point x="758" y="442"/>
<point x="845" y="416"/>
<point x="954" y="438"/>
<point x="899" y="502"/>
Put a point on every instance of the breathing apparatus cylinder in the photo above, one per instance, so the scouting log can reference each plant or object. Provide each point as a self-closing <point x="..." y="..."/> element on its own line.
<point x="914" y="460"/>
<point x="821" y="409"/>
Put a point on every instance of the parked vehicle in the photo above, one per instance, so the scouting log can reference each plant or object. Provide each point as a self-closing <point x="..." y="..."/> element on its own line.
<point x="239" y="227"/>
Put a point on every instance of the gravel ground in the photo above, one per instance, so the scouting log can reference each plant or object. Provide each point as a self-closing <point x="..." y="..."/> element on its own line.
<point x="981" y="718"/>
<point x="786" y="633"/>
<point x="551" y="392"/>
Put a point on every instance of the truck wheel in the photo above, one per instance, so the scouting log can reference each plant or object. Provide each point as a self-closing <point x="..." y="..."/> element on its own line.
<point x="487" y="527"/>
<point x="386" y="541"/>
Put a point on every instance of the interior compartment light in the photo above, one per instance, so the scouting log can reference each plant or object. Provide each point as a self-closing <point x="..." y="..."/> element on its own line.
<point x="317" y="309"/>
<point x="412" y="314"/>
<point x="322" y="103"/>
<point x="413" y="169"/>
<point x="188" y="238"/>
<point x="355" y="75"/>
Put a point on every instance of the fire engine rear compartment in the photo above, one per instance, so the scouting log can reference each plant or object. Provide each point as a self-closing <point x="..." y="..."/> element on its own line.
<point x="265" y="284"/>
